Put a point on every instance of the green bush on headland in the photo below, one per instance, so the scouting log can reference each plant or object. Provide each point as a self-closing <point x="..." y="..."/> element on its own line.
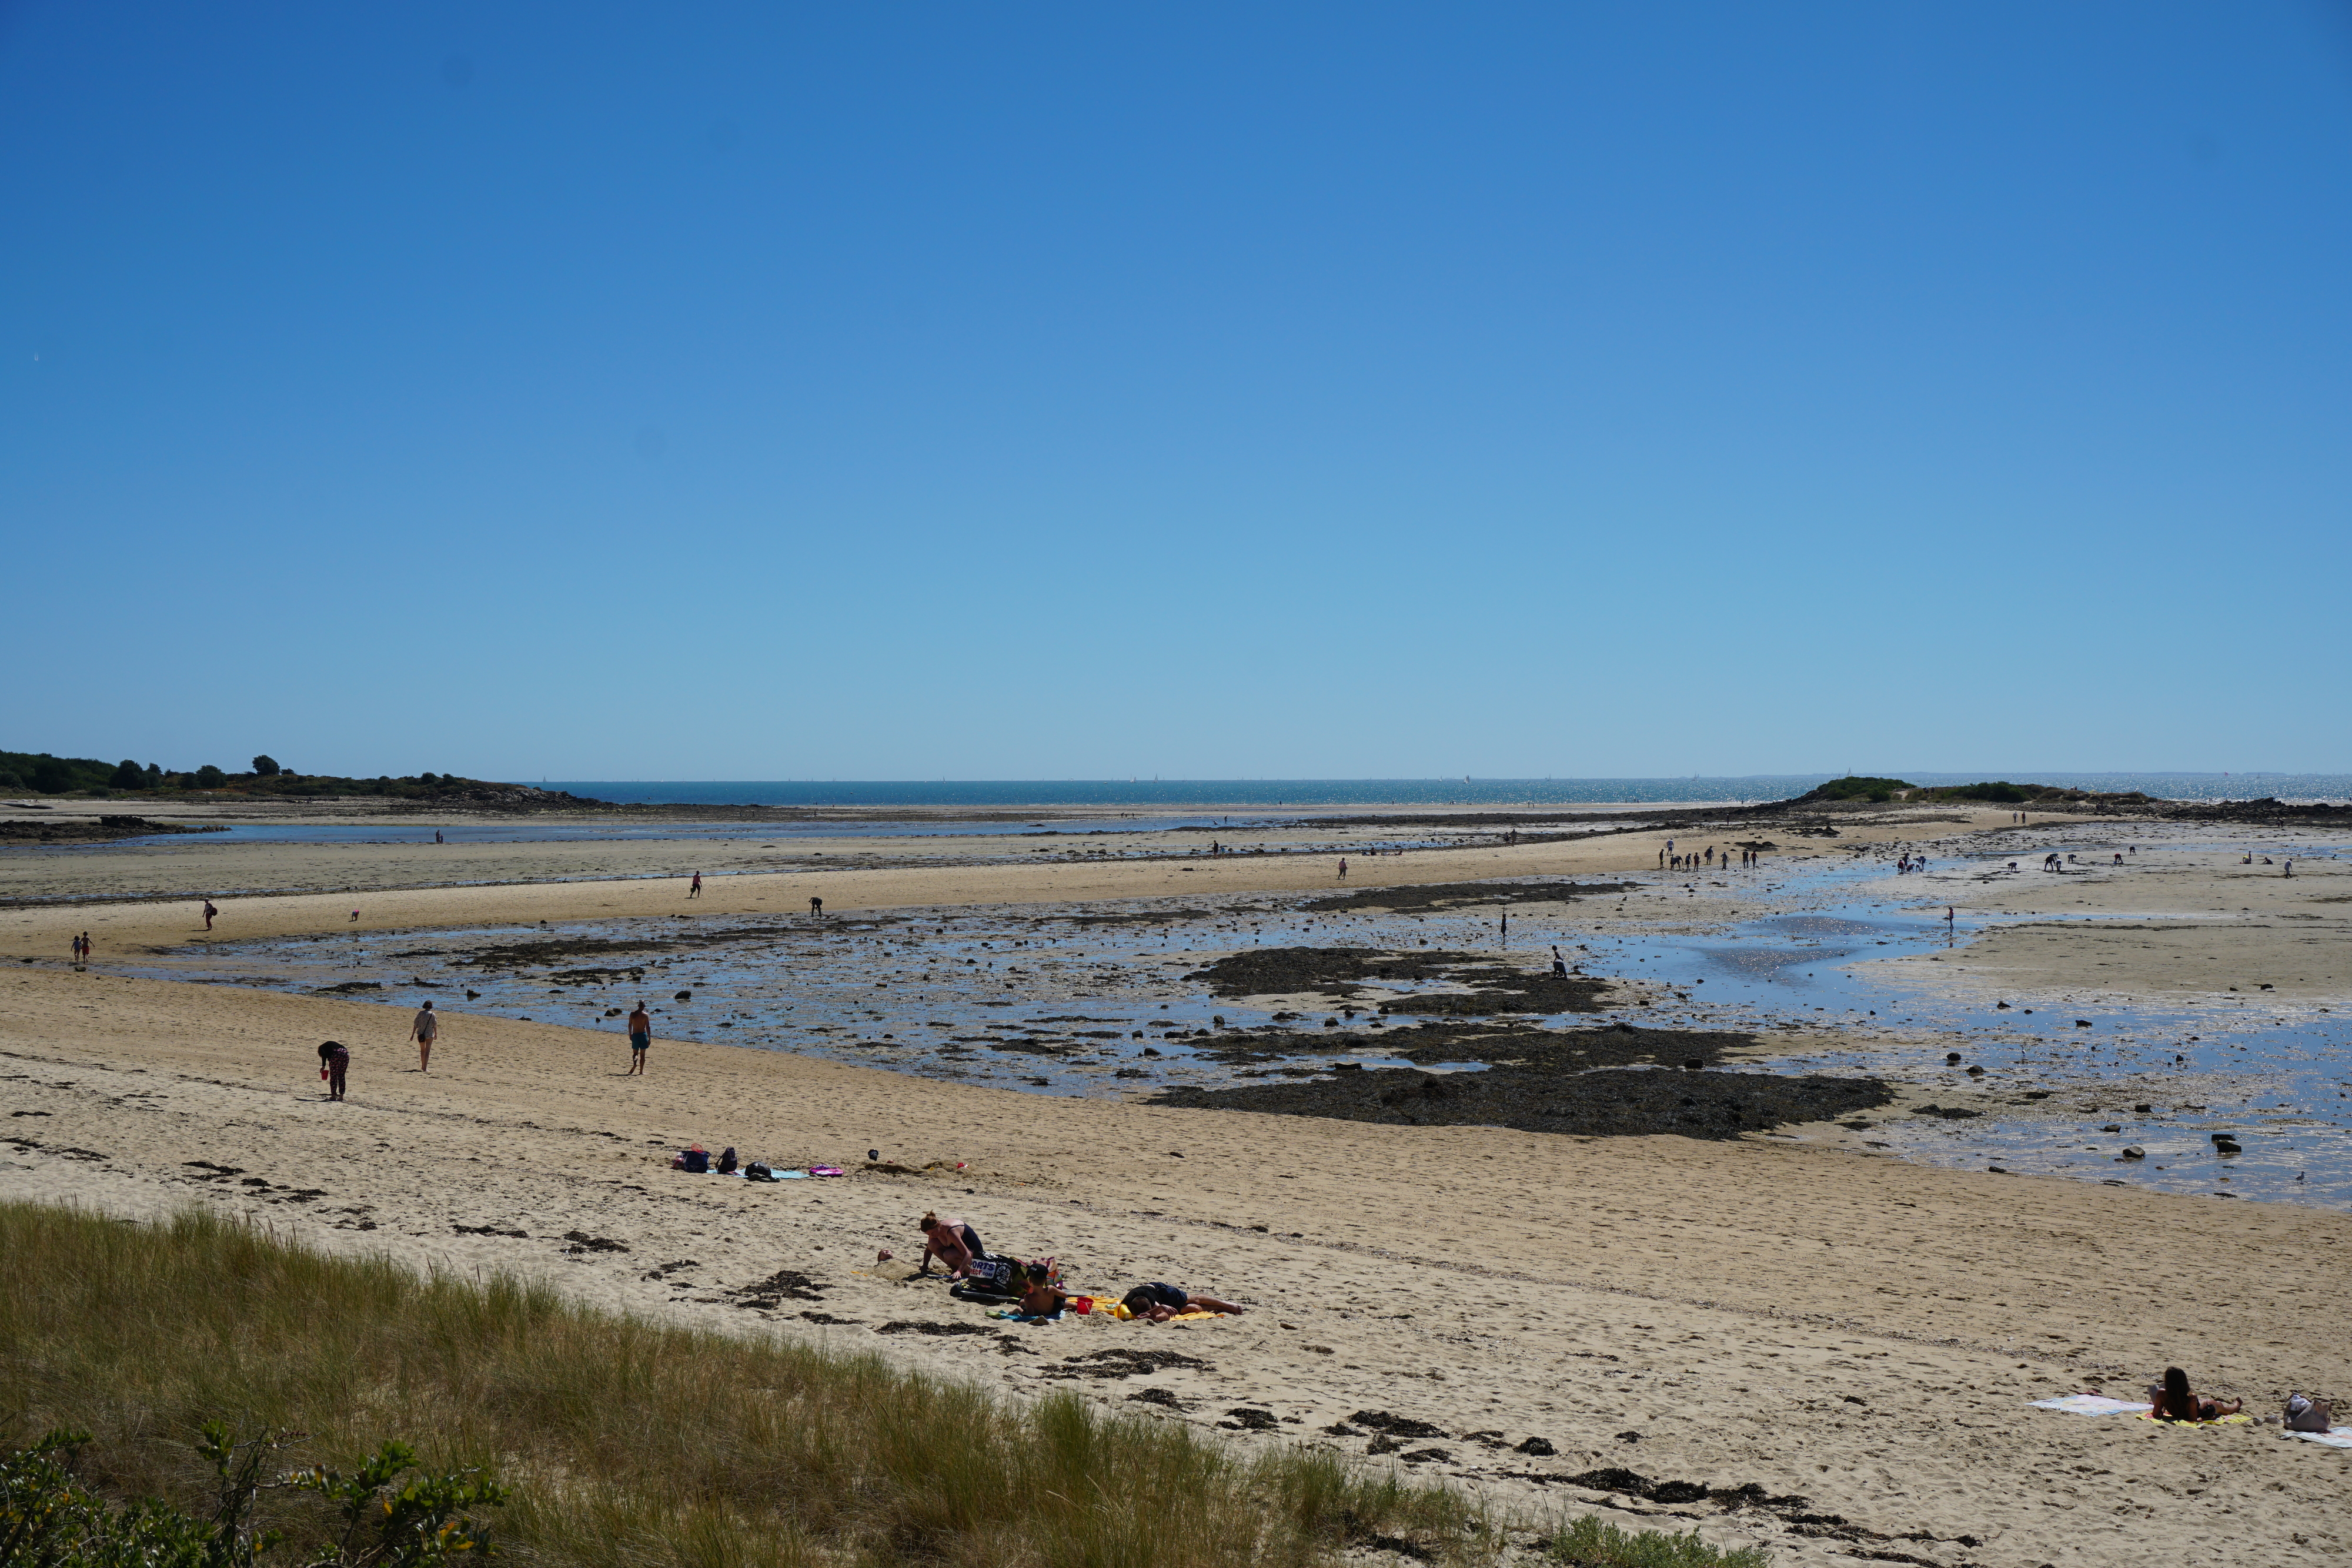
<point x="1855" y="788"/>
<point x="1882" y="790"/>
<point x="38" y="772"/>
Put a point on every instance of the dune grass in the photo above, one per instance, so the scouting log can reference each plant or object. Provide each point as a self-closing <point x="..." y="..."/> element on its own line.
<point x="1590" y="1543"/>
<point x="629" y="1444"/>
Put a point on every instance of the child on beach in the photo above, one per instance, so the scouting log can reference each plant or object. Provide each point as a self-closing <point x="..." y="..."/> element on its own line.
<point x="1043" y="1299"/>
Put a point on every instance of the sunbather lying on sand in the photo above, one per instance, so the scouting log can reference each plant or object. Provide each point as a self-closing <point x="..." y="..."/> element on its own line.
<point x="953" y="1243"/>
<point x="1157" y="1302"/>
<point x="2172" y="1401"/>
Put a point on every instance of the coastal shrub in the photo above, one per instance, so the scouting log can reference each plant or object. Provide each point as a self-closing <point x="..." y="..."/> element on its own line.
<point x="264" y="766"/>
<point x="128" y="775"/>
<point x="628" y="1443"/>
<point x="55" y="775"/>
<point x="1590" y="1543"/>
<point x="2001" y="791"/>
<point x="1855" y="788"/>
<point x="210" y="778"/>
<point x="49" y="1520"/>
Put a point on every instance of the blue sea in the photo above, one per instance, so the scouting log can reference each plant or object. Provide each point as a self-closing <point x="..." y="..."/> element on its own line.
<point x="1163" y="793"/>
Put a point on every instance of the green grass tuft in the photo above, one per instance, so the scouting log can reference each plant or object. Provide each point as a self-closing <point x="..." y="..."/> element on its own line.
<point x="1591" y="1543"/>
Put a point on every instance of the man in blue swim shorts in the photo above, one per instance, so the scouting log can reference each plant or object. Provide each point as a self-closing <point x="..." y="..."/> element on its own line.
<point x="641" y="1035"/>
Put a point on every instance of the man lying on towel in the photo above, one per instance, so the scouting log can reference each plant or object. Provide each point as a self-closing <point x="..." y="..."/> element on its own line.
<point x="1157" y="1302"/>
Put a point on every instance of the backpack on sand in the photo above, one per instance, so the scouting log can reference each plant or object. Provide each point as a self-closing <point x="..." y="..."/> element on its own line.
<point x="2305" y="1414"/>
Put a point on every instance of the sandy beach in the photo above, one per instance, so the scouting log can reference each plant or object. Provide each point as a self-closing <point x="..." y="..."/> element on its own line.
<point x="1857" y="1336"/>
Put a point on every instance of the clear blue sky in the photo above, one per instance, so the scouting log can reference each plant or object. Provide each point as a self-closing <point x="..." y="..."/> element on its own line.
<point x="1009" y="392"/>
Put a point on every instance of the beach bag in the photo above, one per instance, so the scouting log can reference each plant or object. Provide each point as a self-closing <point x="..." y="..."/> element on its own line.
<point x="2305" y="1414"/>
<point x="1002" y="1276"/>
<point x="727" y="1161"/>
<point x="695" y="1162"/>
<point x="755" y="1171"/>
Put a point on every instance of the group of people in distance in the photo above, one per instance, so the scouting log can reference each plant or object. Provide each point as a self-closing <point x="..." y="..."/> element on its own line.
<point x="958" y="1248"/>
<point x="1704" y="860"/>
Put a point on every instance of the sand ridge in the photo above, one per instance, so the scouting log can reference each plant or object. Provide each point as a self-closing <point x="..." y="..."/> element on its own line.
<point x="975" y="878"/>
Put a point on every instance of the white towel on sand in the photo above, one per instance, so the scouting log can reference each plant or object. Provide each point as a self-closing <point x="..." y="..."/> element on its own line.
<point x="2093" y="1404"/>
<point x="2341" y="1437"/>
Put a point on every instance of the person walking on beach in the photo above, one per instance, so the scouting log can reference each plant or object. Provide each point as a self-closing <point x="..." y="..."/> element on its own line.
<point x="1343" y="868"/>
<point x="209" y="912"/>
<point x="641" y="1035"/>
<point x="436" y="836"/>
<point x="696" y="890"/>
<point x="816" y="908"/>
<point x="334" y="1060"/>
<point x="424" y="1031"/>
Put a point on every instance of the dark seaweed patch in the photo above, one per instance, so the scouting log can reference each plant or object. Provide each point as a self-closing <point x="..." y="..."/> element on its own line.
<point x="1390" y="1426"/>
<point x="783" y="1285"/>
<point x="1450" y="894"/>
<point x="1498" y="987"/>
<point x="1121" y="1362"/>
<point x="1548" y="1097"/>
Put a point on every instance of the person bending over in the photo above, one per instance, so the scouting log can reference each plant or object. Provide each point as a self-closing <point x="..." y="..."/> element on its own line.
<point x="953" y="1243"/>
<point x="1157" y="1302"/>
<point x="2172" y="1401"/>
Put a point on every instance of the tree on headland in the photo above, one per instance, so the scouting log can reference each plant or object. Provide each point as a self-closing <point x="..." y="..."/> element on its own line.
<point x="210" y="778"/>
<point x="128" y="775"/>
<point x="266" y="766"/>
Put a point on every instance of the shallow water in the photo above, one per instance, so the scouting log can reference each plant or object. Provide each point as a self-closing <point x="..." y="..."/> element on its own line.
<point x="2277" y="1075"/>
<point x="1053" y="1002"/>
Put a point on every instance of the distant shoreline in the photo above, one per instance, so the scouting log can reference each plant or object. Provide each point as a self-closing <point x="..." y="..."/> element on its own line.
<point x="1338" y="794"/>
